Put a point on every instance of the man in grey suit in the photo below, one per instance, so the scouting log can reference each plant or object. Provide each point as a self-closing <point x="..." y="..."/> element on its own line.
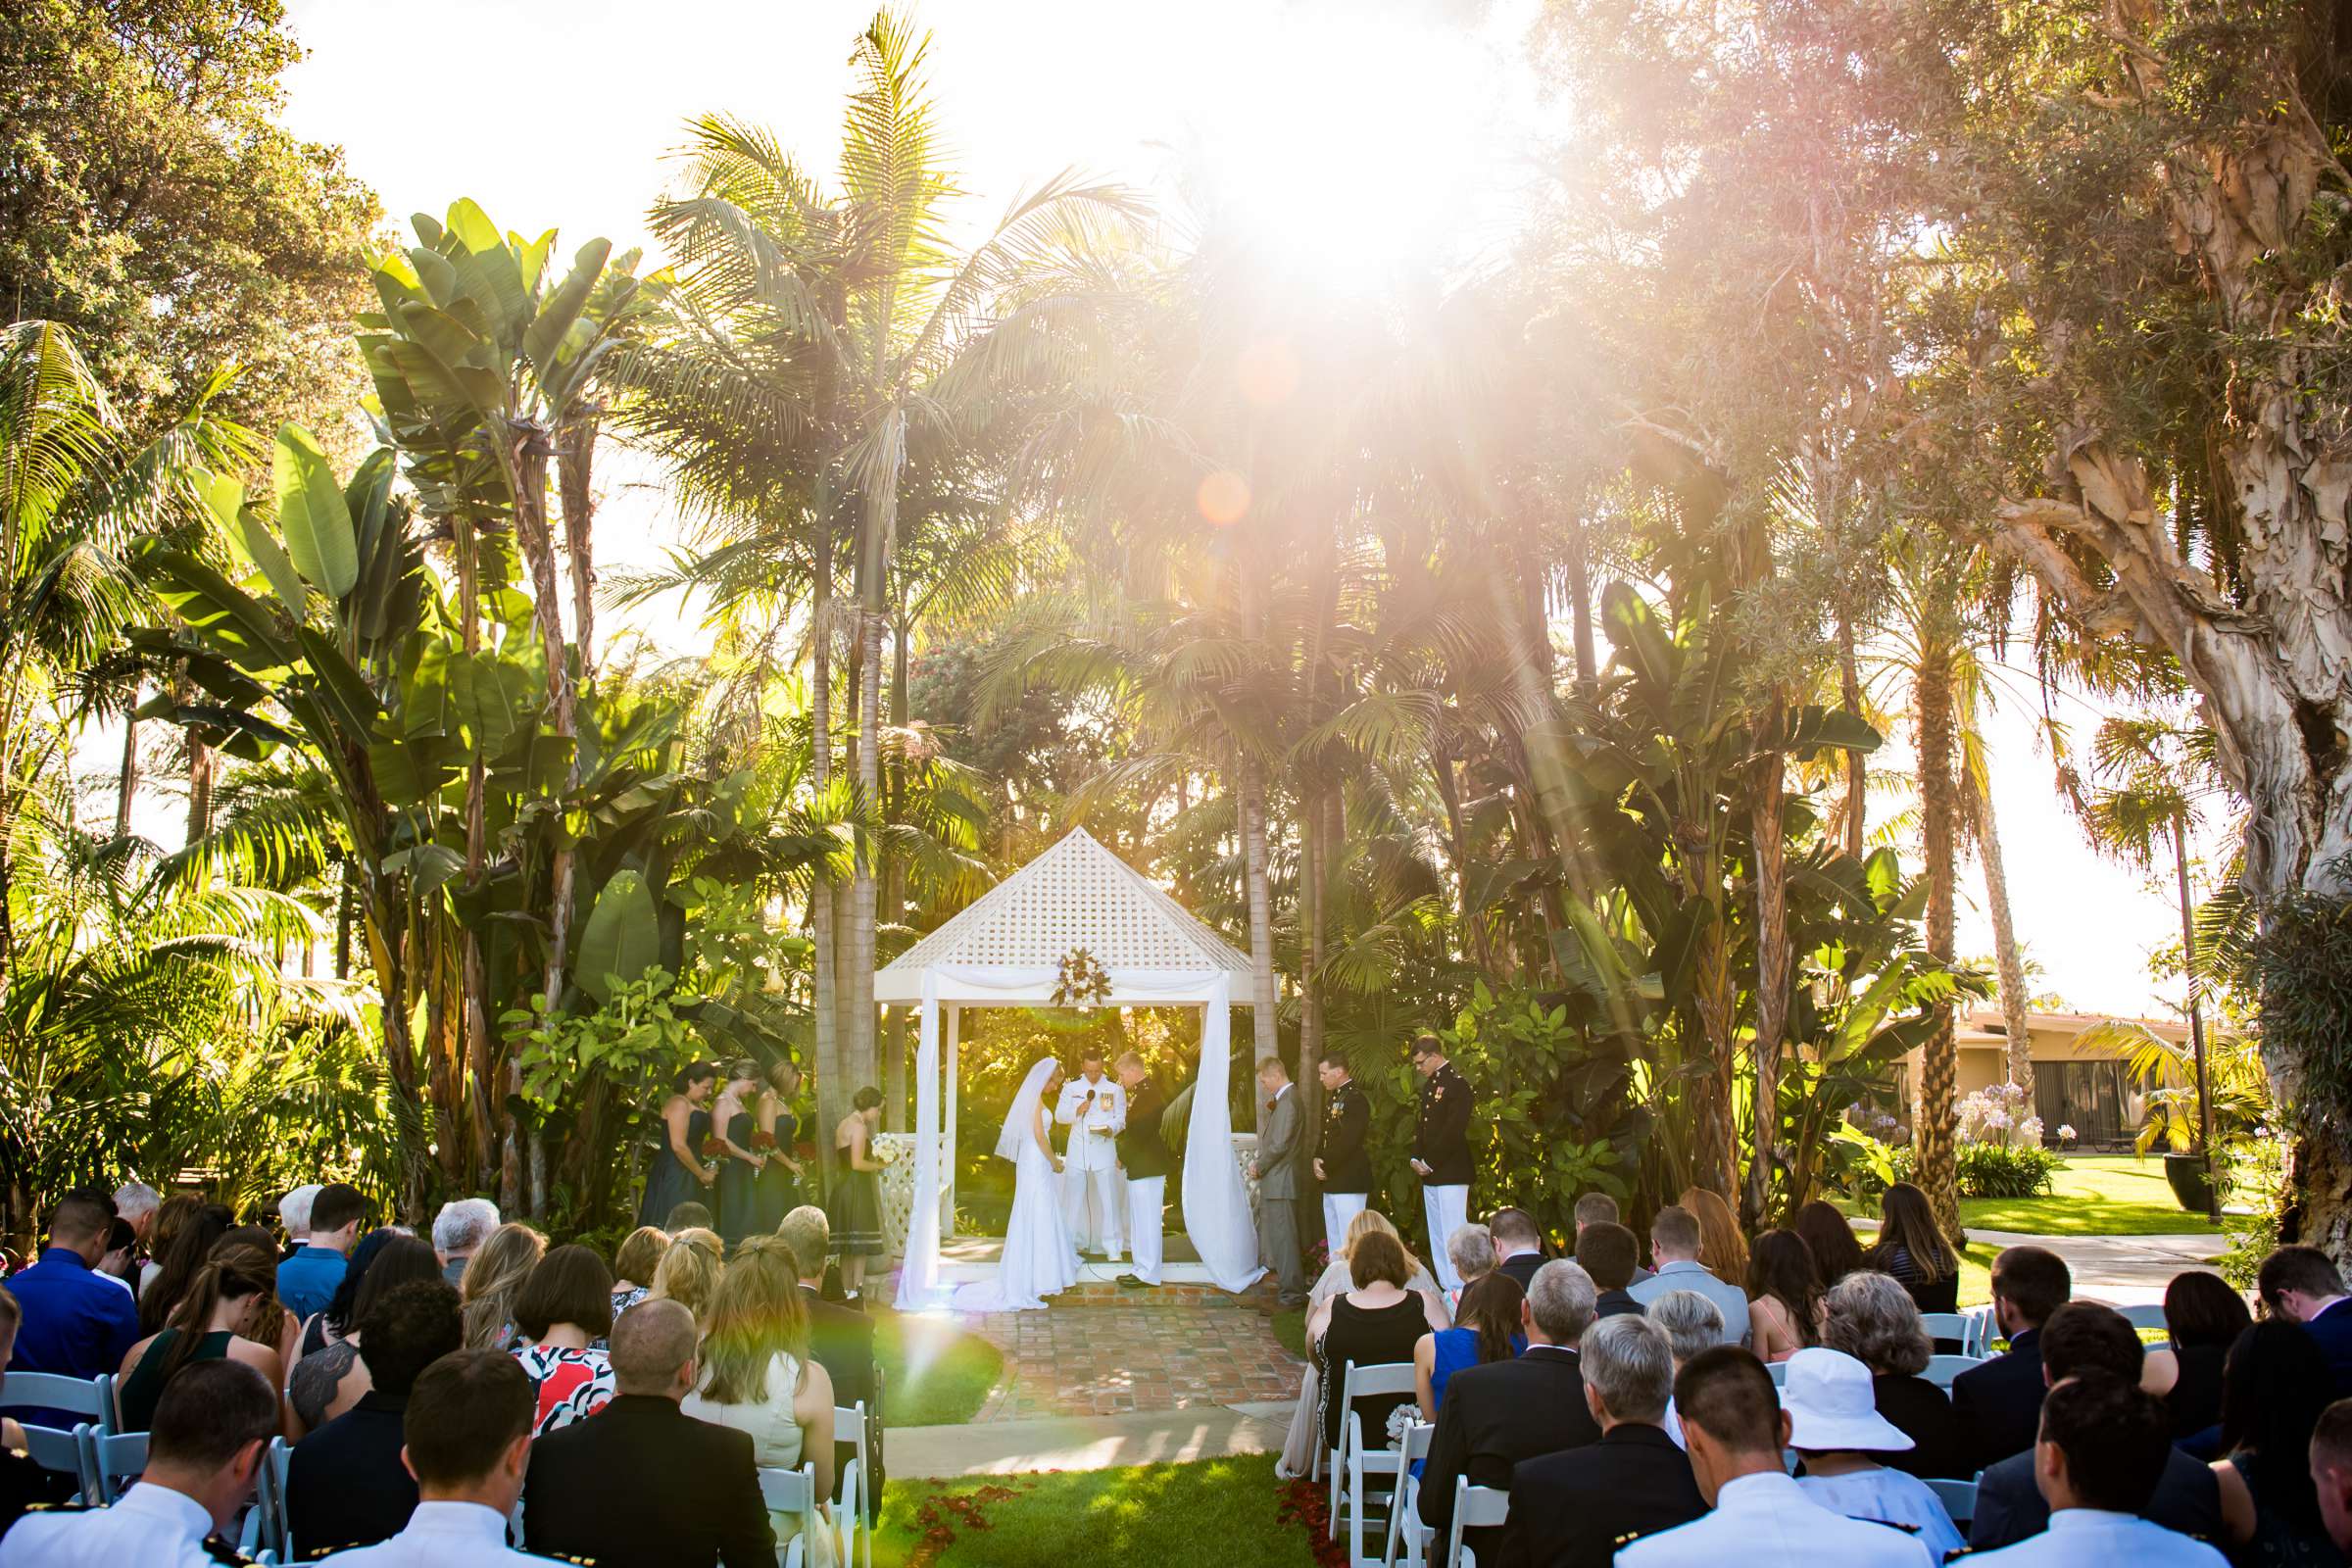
<point x="1280" y="1153"/>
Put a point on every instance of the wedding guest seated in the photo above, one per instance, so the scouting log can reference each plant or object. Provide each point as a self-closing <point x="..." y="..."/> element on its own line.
<point x="1518" y="1244"/>
<point x="307" y="1281"/>
<point x="185" y="1238"/>
<point x="466" y="1441"/>
<point x="459" y="1232"/>
<point x="562" y="1316"/>
<point x="266" y="1320"/>
<point x="689" y="1271"/>
<point x="635" y="1264"/>
<point x="1911" y="1248"/>
<point x="1375" y="1324"/>
<point x="2331" y="1472"/>
<point x="1722" y="1244"/>
<point x="204" y="1329"/>
<point x="1607" y="1250"/>
<point x="1573" y="1509"/>
<point x="1830" y="1236"/>
<point x="1734" y="1430"/>
<point x="1784" y="1290"/>
<point x="1676" y="1248"/>
<point x="1487" y="1329"/>
<point x="1999" y="1403"/>
<point x="203" y="1447"/>
<point x="2088" y="1339"/>
<point x="689" y="1216"/>
<point x="1471" y="1251"/>
<point x="1506" y="1411"/>
<point x="1600" y="1209"/>
<point x="77" y="1325"/>
<point x="1692" y="1324"/>
<point x="757" y="1375"/>
<point x="842" y="1340"/>
<point x="1838" y="1433"/>
<point x="2102" y="1451"/>
<point x="1335" y="1277"/>
<point x="1306" y="1413"/>
<point x="294" y="1217"/>
<point x="2273" y="1389"/>
<point x="2202" y="1319"/>
<point x="644" y="1485"/>
<point x="328" y="1382"/>
<point x="493" y="1280"/>
<point x="2301" y="1285"/>
<point x="345" y="1483"/>
<point x="1872" y="1319"/>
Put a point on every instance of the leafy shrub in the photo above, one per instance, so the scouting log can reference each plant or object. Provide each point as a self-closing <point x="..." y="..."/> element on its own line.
<point x="2006" y="1170"/>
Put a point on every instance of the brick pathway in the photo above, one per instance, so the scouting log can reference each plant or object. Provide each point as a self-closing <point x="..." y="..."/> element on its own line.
<point x="1106" y="1351"/>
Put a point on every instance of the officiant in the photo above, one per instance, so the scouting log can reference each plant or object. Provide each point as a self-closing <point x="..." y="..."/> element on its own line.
<point x="1145" y="1157"/>
<point x="1093" y="1109"/>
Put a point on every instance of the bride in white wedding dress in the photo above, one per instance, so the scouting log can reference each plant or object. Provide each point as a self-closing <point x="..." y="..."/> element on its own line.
<point x="1038" y="1261"/>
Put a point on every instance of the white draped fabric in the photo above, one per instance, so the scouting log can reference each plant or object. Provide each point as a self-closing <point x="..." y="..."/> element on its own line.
<point x="1216" y="1204"/>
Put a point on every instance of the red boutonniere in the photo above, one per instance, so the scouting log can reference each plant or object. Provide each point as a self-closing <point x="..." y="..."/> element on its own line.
<point x="714" y="1147"/>
<point x="761" y="1143"/>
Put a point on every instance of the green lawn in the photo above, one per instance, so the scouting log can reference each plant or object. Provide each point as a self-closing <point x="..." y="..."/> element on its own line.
<point x="937" y="1374"/>
<point x="1214" y="1514"/>
<point x="1290" y="1330"/>
<point x="2093" y="1194"/>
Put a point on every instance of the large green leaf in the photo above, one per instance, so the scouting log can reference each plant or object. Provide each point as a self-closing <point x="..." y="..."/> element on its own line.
<point x="622" y="937"/>
<point x="545" y="338"/>
<point x="271" y="556"/>
<point x="312" y="512"/>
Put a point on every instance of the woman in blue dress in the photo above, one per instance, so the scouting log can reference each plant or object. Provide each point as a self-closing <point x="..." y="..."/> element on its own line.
<point x="1485" y="1329"/>
<point x="775" y="1132"/>
<point x="679" y="1172"/>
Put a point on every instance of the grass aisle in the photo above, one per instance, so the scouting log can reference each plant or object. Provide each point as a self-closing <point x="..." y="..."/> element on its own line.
<point x="935" y="1374"/>
<point x="1214" y="1514"/>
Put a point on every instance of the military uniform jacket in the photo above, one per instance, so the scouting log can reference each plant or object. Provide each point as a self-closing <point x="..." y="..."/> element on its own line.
<point x="1143" y="1153"/>
<point x="150" y="1526"/>
<point x="1442" y="1142"/>
<point x="1346" y="1123"/>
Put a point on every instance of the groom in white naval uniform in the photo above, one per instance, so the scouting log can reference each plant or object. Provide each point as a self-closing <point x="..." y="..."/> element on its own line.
<point x="1093" y="1109"/>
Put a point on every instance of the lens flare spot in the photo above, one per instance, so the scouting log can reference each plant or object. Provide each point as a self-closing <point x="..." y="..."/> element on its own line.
<point x="1267" y="372"/>
<point x="1224" y="498"/>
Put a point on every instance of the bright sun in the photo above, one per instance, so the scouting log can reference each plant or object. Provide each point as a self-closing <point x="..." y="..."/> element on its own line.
<point x="1357" y="145"/>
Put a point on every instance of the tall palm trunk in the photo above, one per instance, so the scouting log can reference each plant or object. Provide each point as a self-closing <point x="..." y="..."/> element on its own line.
<point x="1314" y="875"/>
<point x="1765" y="819"/>
<point x="2010" y="960"/>
<point x="832" y="1103"/>
<point x="1857" y="761"/>
<point x="1250" y="800"/>
<point x="864" y="889"/>
<point x="126" y="784"/>
<point x="1933" y="1129"/>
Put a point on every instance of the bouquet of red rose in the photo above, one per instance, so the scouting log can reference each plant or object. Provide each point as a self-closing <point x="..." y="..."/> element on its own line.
<point x="763" y="1142"/>
<point x="714" y="1147"/>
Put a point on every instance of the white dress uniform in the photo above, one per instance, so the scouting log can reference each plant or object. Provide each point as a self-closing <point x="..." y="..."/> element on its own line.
<point x="1766" y="1521"/>
<point x="442" y="1535"/>
<point x="2080" y="1536"/>
<point x="1093" y="1197"/>
<point x="150" y="1526"/>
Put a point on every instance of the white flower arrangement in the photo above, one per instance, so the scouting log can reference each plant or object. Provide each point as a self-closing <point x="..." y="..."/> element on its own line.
<point x="1998" y="1114"/>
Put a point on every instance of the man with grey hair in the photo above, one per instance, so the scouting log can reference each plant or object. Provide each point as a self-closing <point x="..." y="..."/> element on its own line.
<point x="1470" y="1249"/>
<point x="1497" y="1416"/>
<point x="644" y="1483"/>
<point x="459" y="1232"/>
<point x="1674" y="1246"/>
<point x="294" y="1215"/>
<point x="135" y="1203"/>
<point x="1574" y="1509"/>
<point x="1692" y="1324"/>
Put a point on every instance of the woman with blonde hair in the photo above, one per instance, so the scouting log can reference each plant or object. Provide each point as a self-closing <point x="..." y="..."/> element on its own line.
<point x="1721" y="1246"/>
<point x="757" y="1374"/>
<point x="690" y="1272"/>
<point x="494" y="1277"/>
<point x="1298" y="1445"/>
<point x="635" y="1264"/>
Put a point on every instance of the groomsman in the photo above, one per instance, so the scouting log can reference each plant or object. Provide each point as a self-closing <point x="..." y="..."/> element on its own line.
<point x="1144" y="1154"/>
<point x="1093" y="1109"/>
<point x="1280" y="1145"/>
<point x="1342" y="1165"/>
<point x="1442" y="1151"/>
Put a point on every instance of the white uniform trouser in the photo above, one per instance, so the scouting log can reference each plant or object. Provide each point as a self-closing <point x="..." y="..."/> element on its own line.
<point x="1338" y="1210"/>
<point x="1146" y="1199"/>
<point x="1447" y="1210"/>
<point x="1094" y="1207"/>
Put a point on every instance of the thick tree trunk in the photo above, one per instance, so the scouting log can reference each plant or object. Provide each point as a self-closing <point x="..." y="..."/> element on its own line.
<point x="832" y="1098"/>
<point x="1856" y="808"/>
<point x="1714" y="1129"/>
<point x="2007" y="956"/>
<point x="865" y="891"/>
<point x="1315" y="849"/>
<point x="1935" y="1127"/>
<point x="126" y="784"/>
<point x="1766" y="814"/>
<point x="1251" y="800"/>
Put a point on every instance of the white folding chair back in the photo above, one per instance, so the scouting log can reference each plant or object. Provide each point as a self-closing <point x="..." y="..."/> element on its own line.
<point x="89" y="1397"/>
<point x="1978" y="1341"/>
<point x="1404" y="1524"/>
<point x="66" y="1452"/>
<point x="1361" y="1383"/>
<point x="116" y="1459"/>
<point x="848" y="1501"/>
<point x="1959" y="1499"/>
<point x="1780" y="1373"/>
<point x="1941" y="1369"/>
<point x="1474" y="1508"/>
<point x="792" y="1491"/>
<point x="2146" y="1315"/>
<point x="1948" y="1326"/>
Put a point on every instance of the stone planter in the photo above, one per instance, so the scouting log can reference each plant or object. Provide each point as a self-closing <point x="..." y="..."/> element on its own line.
<point x="2191" y="1180"/>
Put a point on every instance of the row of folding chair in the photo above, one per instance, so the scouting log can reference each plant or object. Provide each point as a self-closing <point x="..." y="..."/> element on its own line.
<point x="1363" y="1474"/>
<point x="1474" y="1508"/>
<point x="1940" y="1370"/>
<point x="795" y="1491"/>
<point x="103" y="1464"/>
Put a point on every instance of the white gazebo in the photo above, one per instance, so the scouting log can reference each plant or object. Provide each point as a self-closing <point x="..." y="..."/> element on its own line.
<point x="1007" y="951"/>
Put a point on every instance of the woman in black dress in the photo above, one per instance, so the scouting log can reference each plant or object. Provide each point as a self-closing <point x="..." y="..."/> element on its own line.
<point x="2204" y="1317"/>
<point x="739" y="1163"/>
<point x="1376" y="1323"/>
<point x="856" y="1207"/>
<point x="679" y="1172"/>
<point x="775" y="1133"/>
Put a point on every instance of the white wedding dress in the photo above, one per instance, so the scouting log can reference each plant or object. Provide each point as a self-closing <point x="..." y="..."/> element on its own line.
<point x="1038" y="1261"/>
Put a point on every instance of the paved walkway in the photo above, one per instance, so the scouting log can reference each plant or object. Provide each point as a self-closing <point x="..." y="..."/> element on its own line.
<point x="2123" y="1269"/>
<point x="1104" y="1351"/>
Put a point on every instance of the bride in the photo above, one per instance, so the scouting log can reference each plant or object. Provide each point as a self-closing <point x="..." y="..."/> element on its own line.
<point x="1038" y="1260"/>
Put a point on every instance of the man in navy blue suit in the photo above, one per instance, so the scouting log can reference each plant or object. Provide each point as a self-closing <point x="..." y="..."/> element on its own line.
<point x="2301" y="1283"/>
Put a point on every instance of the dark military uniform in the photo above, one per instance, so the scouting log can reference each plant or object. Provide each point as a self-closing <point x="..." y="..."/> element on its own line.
<point x="1346" y="1159"/>
<point x="1442" y="1143"/>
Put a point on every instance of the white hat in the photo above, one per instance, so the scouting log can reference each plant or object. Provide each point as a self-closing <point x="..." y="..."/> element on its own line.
<point x="1831" y="1405"/>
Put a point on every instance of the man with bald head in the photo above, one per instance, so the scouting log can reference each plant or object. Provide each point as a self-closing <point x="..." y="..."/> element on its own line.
<point x="644" y="1484"/>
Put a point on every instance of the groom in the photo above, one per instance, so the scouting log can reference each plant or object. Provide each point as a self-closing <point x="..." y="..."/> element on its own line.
<point x="1145" y="1155"/>
<point x="1093" y="1109"/>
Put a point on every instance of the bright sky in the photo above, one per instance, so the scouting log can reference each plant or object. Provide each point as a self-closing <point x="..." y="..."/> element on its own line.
<point x="1360" y="128"/>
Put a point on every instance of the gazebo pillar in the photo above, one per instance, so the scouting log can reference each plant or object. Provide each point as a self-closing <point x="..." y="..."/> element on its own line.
<point x="947" y="1132"/>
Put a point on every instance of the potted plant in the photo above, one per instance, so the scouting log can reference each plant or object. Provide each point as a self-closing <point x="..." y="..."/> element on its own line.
<point x="2165" y="1073"/>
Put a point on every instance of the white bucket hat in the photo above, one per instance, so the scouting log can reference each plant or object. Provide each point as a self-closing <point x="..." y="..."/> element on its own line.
<point x="1831" y="1405"/>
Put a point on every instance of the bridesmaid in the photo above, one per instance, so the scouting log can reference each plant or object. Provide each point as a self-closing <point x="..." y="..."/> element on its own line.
<point x="856" y="1207"/>
<point x="777" y="1193"/>
<point x="739" y="1163"/>
<point x="679" y="1173"/>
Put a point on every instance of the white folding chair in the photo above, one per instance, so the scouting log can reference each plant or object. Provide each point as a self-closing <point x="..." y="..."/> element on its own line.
<point x="1959" y="1499"/>
<point x="114" y="1459"/>
<point x="1978" y="1341"/>
<point x="1941" y="1369"/>
<point x="90" y="1398"/>
<point x="64" y="1452"/>
<point x="1474" y="1508"/>
<point x="792" y="1491"/>
<point x="849" y="1503"/>
<point x="1948" y="1326"/>
<point x="2146" y="1315"/>
<point x="1356" y="1461"/>
<point x="1405" y="1523"/>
